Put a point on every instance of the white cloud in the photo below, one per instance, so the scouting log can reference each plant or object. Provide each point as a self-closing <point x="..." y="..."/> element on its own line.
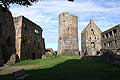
<point x="45" y="13"/>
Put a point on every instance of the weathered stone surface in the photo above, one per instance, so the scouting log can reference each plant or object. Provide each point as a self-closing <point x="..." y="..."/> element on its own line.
<point x="90" y="39"/>
<point x="68" y="34"/>
<point x="111" y="39"/>
<point x="7" y="36"/>
<point x="1" y="60"/>
<point x="12" y="59"/>
<point x="29" y="41"/>
<point x="50" y="52"/>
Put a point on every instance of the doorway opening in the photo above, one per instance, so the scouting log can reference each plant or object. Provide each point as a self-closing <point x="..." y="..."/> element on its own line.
<point x="33" y="56"/>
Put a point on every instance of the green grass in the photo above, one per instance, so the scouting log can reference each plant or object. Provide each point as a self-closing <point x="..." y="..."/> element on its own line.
<point x="69" y="68"/>
<point x="46" y="63"/>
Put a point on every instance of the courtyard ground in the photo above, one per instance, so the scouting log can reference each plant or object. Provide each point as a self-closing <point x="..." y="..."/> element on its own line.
<point x="63" y="68"/>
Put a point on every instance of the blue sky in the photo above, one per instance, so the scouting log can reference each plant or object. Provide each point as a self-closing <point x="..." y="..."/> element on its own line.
<point x="106" y="14"/>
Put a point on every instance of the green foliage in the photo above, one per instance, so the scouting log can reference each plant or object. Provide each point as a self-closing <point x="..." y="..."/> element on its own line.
<point x="6" y="3"/>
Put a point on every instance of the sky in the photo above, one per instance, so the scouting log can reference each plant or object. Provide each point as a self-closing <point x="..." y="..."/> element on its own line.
<point x="105" y="13"/>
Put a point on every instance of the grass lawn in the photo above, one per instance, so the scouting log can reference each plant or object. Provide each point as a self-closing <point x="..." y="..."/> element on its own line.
<point x="68" y="68"/>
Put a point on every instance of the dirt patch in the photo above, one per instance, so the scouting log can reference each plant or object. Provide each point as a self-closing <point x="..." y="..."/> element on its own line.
<point x="11" y="69"/>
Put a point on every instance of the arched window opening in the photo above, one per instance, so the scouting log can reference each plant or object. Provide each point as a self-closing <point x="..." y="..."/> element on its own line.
<point x="92" y="44"/>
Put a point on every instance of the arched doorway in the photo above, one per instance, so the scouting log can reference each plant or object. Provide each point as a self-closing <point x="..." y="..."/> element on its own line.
<point x="93" y="50"/>
<point x="92" y="45"/>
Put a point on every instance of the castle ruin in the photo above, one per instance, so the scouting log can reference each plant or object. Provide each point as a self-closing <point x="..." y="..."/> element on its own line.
<point x="29" y="41"/>
<point x="91" y="39"/>
<point x="68" y="34"/>
<point x="111" y="39"/>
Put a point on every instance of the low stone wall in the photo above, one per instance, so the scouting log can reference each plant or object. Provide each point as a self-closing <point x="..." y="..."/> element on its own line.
<point x="107" y="56"/>
<point x="91" y="57"/>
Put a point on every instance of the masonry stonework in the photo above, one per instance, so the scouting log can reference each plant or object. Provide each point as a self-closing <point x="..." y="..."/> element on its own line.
<point x="111" y="39"/>
<point x="68" y="34"/>
<point x="29" y="41"/>
<point x="90" y="39"/>
<point x="7" y="37"/>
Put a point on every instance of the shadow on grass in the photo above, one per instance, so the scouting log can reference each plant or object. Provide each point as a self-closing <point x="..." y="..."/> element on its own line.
<point x="76" y="70"/>
<point x="6" y="77"/>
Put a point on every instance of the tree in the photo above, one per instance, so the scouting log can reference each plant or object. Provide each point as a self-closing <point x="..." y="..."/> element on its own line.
<point x="6" y="3"/>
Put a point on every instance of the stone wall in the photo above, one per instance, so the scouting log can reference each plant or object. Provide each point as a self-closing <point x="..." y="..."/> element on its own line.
<point x="111" y="39"/>
<point x="1" y="60"/>
<point x="29" y="41"/>
<point x="7" y="37"/>
<point x="68" y="34"/>
<point x="90" y="39"/>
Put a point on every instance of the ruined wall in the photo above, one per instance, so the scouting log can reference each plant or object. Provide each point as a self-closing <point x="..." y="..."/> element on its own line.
<point x="7" y="37"/>
<point x="111" y="39"/>
<point x="91" y="39"/>
<point x="18" y="29"/>
<point x="68" y="34"/>
<point x="29" y="41"/>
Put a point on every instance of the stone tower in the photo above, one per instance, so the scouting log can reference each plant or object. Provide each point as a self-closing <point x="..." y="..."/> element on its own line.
<point x="91" y="39"/>
<point x="68" y="34"/>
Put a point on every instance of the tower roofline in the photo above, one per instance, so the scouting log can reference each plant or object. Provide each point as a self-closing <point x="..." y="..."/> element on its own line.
<point x="90" y="23"/>
<point x="67" y="13"/>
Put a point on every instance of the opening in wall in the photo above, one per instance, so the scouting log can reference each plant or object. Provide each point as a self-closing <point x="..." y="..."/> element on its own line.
<point x="36" y="31"/>
<point x="104" y="44"/>
<point x="91" y="29"/>
<point x="106" y="35"/>
<point x="110" y="33"/>
<point x="92" y="44"/>
<point x="33" y="56"/>
<point x="60" y="38"/>
<point x="108" y="43"/>
<point x="115" y="32"/>
<point x="103" y="36"/>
